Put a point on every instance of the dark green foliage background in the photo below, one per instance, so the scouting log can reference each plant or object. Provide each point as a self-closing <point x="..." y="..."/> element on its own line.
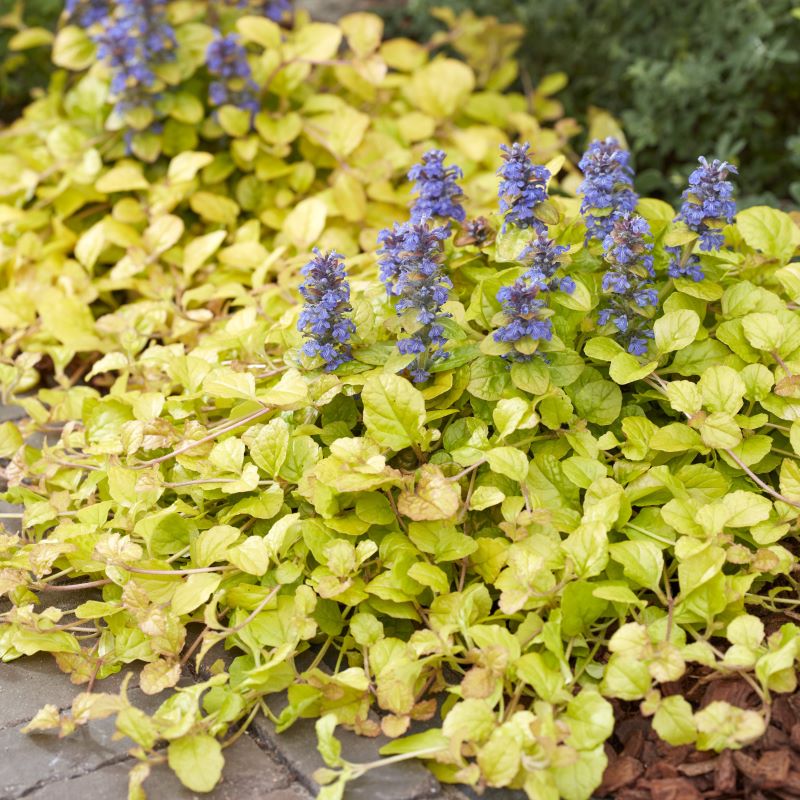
<point x="715" y="76"/>
<point x="21" y="72"/>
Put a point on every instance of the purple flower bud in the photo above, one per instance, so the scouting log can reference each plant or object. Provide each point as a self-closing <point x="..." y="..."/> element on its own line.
<point x="327" y="299"/>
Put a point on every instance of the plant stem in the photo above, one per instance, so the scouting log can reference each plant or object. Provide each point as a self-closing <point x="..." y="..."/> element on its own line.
<point x="72" y="587"/>
<point x="230" y="426"/>
<point x="170" y="572"/>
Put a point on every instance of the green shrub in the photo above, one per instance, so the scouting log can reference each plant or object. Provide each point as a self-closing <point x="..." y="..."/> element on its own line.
<point x="25" y="32"/>
<point x="714" y="76"/>
<point x="522" y="539"/>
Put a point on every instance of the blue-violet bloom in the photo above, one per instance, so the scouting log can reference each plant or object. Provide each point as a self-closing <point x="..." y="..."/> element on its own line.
<point x="438" y="194"/>
<point x="276" y="10"/>
<point x="607" y="187"/>
<point x="327" y="300"/>
<point x="85" y="13"/>
<point x="628" y="281"/>
<point x="135" y="40"/>
<point x="227" y="62"/>
<point x="708" y="205"/>
<point x="522" y="188"/>
<point x="412" y="271"/>
<point x="543" y="257"/>
<point x="526" y="315"/>
<point x="525" y="304"/>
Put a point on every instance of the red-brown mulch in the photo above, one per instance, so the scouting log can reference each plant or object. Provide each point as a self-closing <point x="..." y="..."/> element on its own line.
<point x="643" y="767"/>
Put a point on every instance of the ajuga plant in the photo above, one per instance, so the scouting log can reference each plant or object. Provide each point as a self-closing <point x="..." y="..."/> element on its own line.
<point x="275" y="10"/>
<point x="523" y="188"/>
<point x="525" y="303"/>
<point x="607" y="187"/>
<point x="437" y="191"/>
<point x="369" y="500"/>
<point x="627" y="250"/>
<point x="411" y="270"/>
<point x="708" y="206"/>
<point x="324" y="316"/>
<point x="233" y="82"/>
<point x="133" y="38"/>
<point x="86" y="13"/>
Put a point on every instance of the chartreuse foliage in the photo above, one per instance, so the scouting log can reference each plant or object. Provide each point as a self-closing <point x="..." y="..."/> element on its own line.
<point x="500" y="545"/>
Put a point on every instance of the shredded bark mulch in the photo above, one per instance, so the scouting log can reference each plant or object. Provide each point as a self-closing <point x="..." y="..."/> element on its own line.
<point x="643" y="767"/>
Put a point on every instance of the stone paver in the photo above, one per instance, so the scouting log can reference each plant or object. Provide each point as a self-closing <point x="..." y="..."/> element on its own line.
<point x="11" y="412"/>
<point x="31" y="760"/>
<point x="249" y="774"/>
<point x="293" y="793"/>
<point x="28" y="683"/>
<point x="12" y="524"/>
<point x="297" y="747"/>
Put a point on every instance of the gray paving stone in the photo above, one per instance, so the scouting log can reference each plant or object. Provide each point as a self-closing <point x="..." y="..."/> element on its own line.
<point x="491" y="794"/>
<point x="12" y="524"/>
<point x="32" y="760"/>
<point x="249" y="774"/>
<point x="293" y="793"/>
<point x="297" y="747"/>
<point x="29" y="683"/>
<point x="452" y="793"/>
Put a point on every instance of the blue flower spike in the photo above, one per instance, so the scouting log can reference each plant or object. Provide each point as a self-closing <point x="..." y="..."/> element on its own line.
<point x="607" y="187"/>
<point x="525" y="304"/>
<point x="85" y="13"/>
<point x="323" y="319"/>
<point x="708" y="205"/>
<point x="276" y="10"/>
<point x="523" y="188"/>
<point x="544" y="258"/>
<point x="629" y="282"/>
<point x="233" y="85"/>
<point x="133" y="41"/>
<point x="437" y="190"/>
<point x="527" y="319"/>
<point x="412" y="271"/>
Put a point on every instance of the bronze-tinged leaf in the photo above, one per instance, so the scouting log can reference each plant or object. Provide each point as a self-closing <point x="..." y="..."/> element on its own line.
<point x="433" y="498"/>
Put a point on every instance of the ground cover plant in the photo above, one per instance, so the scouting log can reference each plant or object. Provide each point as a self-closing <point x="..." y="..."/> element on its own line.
<point x="377" y="405"/>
